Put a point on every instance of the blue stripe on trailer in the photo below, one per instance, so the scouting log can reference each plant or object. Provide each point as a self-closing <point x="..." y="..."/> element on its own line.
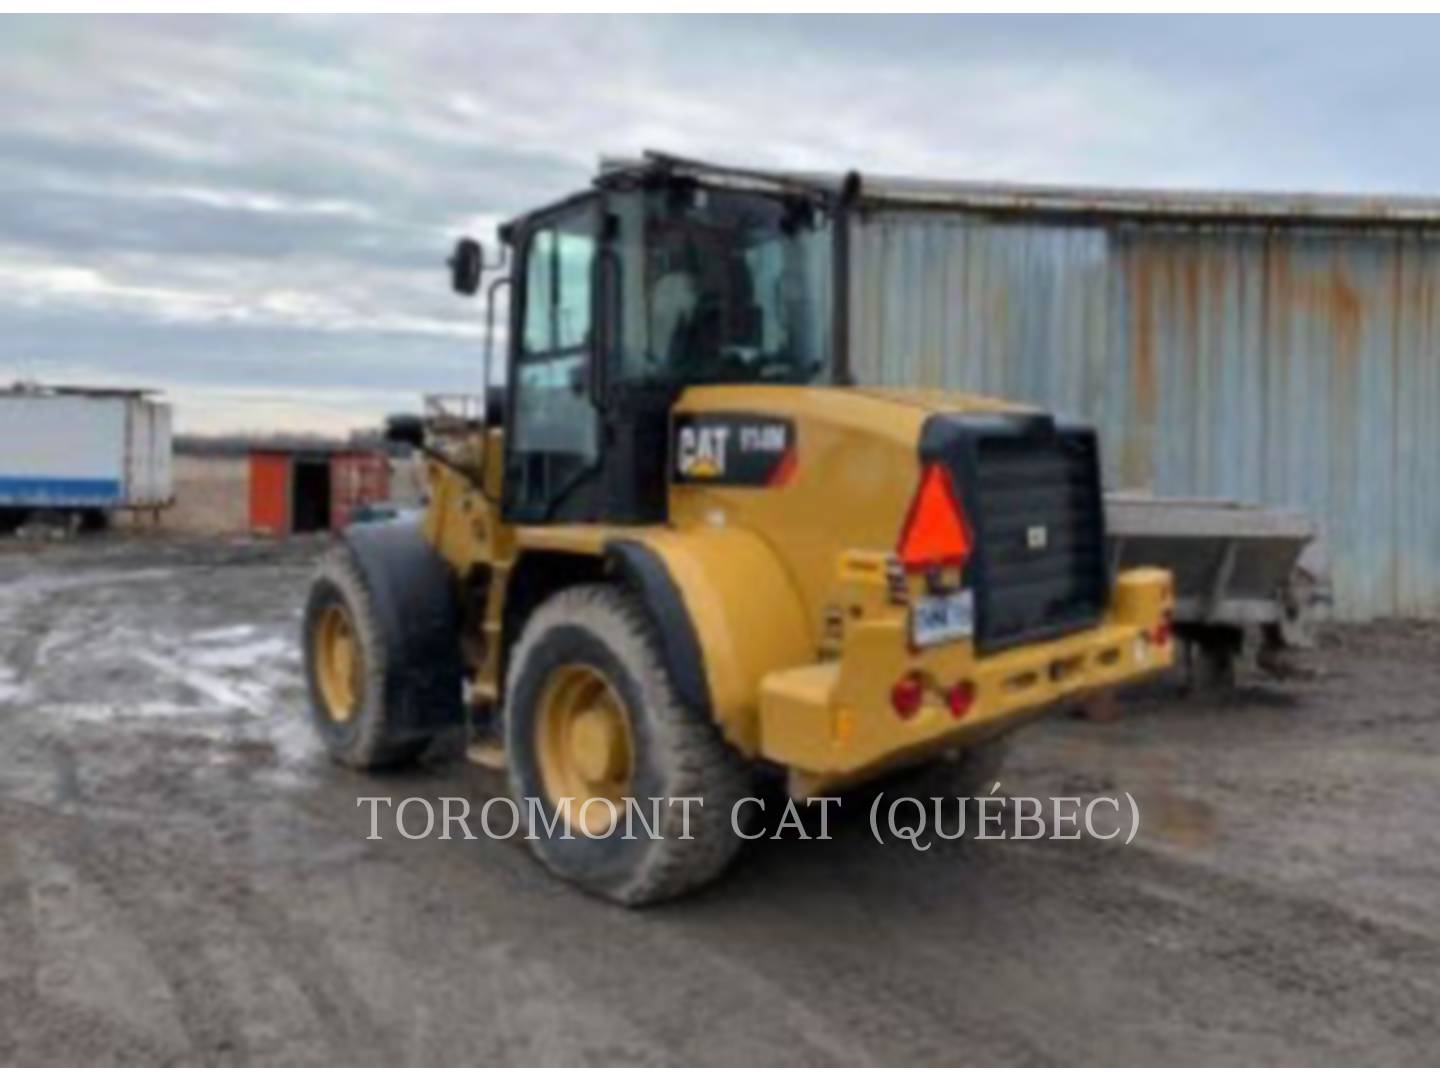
<point x="57" y="491"/>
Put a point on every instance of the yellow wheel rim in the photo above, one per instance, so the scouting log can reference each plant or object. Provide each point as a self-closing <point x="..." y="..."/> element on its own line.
<point x="337" y="663"/>
<point x="584" y="746"/>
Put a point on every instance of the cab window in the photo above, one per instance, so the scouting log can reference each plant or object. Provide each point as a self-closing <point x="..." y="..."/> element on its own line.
<point x="554" y="442"/>
<point x="557" y="286"/>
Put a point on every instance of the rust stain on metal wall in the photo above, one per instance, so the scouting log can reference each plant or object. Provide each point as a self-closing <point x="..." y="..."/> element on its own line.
<point x="1135" y="467"/>
<point x="1286" y="363"/>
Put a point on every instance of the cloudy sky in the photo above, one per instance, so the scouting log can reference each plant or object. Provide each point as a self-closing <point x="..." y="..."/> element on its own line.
<point x="253" y="214"/>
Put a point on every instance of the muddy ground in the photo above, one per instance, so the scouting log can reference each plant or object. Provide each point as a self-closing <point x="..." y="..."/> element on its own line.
<point x="184" y="878"/>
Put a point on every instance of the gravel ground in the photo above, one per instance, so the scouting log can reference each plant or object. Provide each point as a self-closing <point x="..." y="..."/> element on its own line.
<point x="185" y="879"/>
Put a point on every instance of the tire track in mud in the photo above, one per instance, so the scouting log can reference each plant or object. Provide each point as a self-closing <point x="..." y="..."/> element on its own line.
<point x="53" y="915"/>
<point x="1363" y="984"/>
<point x="195" y="934"/>
<point x="120" y="853"/>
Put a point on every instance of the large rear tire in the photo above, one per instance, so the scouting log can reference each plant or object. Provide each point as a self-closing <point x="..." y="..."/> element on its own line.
<point x="346" y="664"/>
<point x="592" y="717"/>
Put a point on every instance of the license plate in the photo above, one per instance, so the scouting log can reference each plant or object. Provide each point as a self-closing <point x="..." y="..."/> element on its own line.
<point x="934" y="619"/>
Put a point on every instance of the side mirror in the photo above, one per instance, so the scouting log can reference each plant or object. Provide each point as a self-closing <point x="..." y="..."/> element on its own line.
<point x="466" y="264"/>
<point x="406" y="429"/>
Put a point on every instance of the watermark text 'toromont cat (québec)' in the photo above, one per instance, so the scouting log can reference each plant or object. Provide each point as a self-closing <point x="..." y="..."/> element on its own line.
<point x="918" y="822"/>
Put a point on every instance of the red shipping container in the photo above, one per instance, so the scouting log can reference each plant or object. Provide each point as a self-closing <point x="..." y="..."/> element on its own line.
<point x="355" y="480"/>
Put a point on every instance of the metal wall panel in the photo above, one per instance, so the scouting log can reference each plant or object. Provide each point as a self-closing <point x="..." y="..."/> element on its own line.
<point x="62" y="450"/>
<point x="1292" y="364"/>
<point x="149" y="477"/>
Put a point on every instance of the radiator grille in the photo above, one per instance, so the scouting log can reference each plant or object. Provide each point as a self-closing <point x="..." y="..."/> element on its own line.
<point x="1041" y="535"/>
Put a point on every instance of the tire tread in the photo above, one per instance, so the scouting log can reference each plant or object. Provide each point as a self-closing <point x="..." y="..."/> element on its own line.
<point x="698" y="760"/>
<point x="376" y="745"/>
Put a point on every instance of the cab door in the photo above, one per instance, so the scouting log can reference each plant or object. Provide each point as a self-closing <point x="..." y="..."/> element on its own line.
<point x="552" y="443"/>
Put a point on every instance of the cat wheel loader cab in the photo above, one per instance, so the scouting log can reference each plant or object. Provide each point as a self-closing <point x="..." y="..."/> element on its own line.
<point x="687" y="548"/>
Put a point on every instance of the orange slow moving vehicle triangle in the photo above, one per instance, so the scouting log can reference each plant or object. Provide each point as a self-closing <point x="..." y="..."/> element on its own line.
<point x="936" y="532"/>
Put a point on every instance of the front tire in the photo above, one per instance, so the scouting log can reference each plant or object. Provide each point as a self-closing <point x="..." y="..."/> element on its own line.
<point x="346" y="665"/>
<point x="592" y="717"/>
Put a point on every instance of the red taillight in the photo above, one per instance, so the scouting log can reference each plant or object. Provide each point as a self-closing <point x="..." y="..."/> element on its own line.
<point x="907" y="694"/>
<point x="960" y="697"/>
<point x="936" y="532"/>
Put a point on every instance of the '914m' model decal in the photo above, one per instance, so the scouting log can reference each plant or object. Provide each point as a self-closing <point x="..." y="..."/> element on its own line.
<point x="739" y="449"/>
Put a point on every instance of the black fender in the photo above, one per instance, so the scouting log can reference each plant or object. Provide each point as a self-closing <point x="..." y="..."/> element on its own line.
<point x="415" y="602"/>
<point x="645" y="574"/>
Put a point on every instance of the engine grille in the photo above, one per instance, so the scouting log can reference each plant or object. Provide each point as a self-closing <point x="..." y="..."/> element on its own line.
<point x="1041" y="566"/>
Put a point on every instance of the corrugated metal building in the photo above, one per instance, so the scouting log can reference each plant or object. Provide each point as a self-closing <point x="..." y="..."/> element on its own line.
<point x="1282" y="349"/>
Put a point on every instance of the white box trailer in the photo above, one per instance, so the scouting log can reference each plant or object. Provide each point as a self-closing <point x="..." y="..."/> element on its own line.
<point x="65" y="448"/>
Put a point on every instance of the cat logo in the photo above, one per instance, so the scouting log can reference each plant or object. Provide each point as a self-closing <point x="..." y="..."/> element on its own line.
<point x="700" y="453"/>
<point x="734" y="449"/>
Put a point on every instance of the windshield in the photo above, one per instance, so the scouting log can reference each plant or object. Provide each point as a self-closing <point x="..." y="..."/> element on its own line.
<point x="721" y="286"/>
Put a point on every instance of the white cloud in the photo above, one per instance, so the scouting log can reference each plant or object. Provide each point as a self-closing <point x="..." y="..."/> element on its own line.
<point x="248" y="295"/>
<point x="223" y="181"/>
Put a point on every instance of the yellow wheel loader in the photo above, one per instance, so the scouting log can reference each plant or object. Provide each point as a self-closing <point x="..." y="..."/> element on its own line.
<point x="682" y="549"/>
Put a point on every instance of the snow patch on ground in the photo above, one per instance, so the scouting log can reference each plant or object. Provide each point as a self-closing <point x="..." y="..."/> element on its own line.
<point x="226" y="692"/>
<point x="94" y="712"/>
<point x="98" y="650"/>
<point x="36" y="586"/>
<point x="12" y="691"/>
<point x="247" y="655"/>
<point x="58" y="643"/>
<point x="238" y="632"/>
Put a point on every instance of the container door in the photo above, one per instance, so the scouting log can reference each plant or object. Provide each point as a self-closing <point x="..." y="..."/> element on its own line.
<point x="269" y="493"/>
<point x="137" y="453"/>
<point x="147" y="461"/>
<point x="162" y="455"/>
